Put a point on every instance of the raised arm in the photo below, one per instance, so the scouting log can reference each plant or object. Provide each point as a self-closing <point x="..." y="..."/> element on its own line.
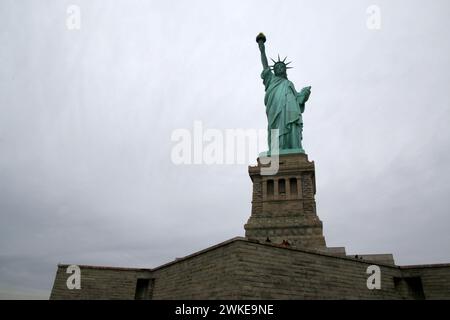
<point x="260" y="39"/>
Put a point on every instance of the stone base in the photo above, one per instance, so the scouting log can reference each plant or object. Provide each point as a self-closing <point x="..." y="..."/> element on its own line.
<point x="301" y="235"/>
<point x="281" y="152"/>
<point x="283" y="206"/>
<point x="239" y="269"/>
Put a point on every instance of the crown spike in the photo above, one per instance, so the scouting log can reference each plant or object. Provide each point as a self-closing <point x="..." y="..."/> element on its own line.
<point x="279" y="58"/>
<point x="273" y="60"/>
<point x="288" y="62"/>
<point x="284" y="59"/>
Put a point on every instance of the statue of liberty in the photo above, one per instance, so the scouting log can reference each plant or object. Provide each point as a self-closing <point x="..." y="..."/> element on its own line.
<point x="284" y="105"/>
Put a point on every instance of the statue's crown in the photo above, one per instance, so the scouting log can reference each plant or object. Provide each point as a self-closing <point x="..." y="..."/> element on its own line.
<point x="280" y="62"/>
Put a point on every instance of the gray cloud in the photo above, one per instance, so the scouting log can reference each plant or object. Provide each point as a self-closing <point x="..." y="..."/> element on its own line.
<point x="86" y="119"/>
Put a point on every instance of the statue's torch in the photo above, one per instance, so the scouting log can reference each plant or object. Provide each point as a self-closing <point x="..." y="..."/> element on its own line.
<point x="260" y="38"/>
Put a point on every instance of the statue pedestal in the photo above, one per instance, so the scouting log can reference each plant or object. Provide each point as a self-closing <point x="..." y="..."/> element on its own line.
<point x="283" y="204"/>
<point x="282" y="152"/>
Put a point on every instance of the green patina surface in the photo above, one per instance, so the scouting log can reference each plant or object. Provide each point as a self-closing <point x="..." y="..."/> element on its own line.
<point x="284" y="105"/>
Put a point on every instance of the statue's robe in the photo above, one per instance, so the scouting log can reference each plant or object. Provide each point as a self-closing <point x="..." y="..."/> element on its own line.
<point x="284" y="108"/>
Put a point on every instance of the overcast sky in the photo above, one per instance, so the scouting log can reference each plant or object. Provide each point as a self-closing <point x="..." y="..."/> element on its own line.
<point x="86" y="118"/>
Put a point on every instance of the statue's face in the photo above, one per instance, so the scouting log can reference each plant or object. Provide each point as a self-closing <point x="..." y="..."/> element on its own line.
<point x="279" y="69"/>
